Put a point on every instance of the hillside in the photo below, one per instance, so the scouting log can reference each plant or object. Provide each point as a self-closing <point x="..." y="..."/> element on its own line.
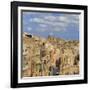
<point x="49" y="56"/>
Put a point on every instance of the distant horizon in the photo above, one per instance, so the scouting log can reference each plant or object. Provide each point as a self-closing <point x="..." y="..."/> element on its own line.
<point x="44" y="24"/>
<point x="51" y="36"/>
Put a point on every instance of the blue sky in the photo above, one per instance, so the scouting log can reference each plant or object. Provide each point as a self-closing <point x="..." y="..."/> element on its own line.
<point x="61" y="25"/>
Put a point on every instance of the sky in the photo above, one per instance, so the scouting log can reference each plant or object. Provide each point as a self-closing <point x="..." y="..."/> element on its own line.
<point x="57" y="24"/>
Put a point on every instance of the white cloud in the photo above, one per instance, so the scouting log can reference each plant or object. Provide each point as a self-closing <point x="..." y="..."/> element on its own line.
<point x="69" y="19"/>
<point x="41" y="29"/>
<point x="50" y="18"/>
<point x="55" y="23"/>
<point x="43" y="25"/>
<point x="62" y="18"/>
<point x="29" y="28"/>
<point x="46" y="22"/>
<point x="73" y="19"/>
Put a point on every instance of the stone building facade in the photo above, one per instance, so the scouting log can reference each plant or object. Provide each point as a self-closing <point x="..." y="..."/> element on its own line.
<point x="49" y="57"/>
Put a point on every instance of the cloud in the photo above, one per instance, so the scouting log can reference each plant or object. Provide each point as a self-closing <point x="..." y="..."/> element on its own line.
<point x="41" y="30"/>
<point x="69" y="19"/>
<point x="63" y="18"/>
<point x="74" y="19"/>
<point x="53" y="22"/>
<point x="29" y="28"/>
<point x="50" y="18"/>
<point x="47" y="22"/>
<point x="62" y="25"/>
<point x="43" y="25"/>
